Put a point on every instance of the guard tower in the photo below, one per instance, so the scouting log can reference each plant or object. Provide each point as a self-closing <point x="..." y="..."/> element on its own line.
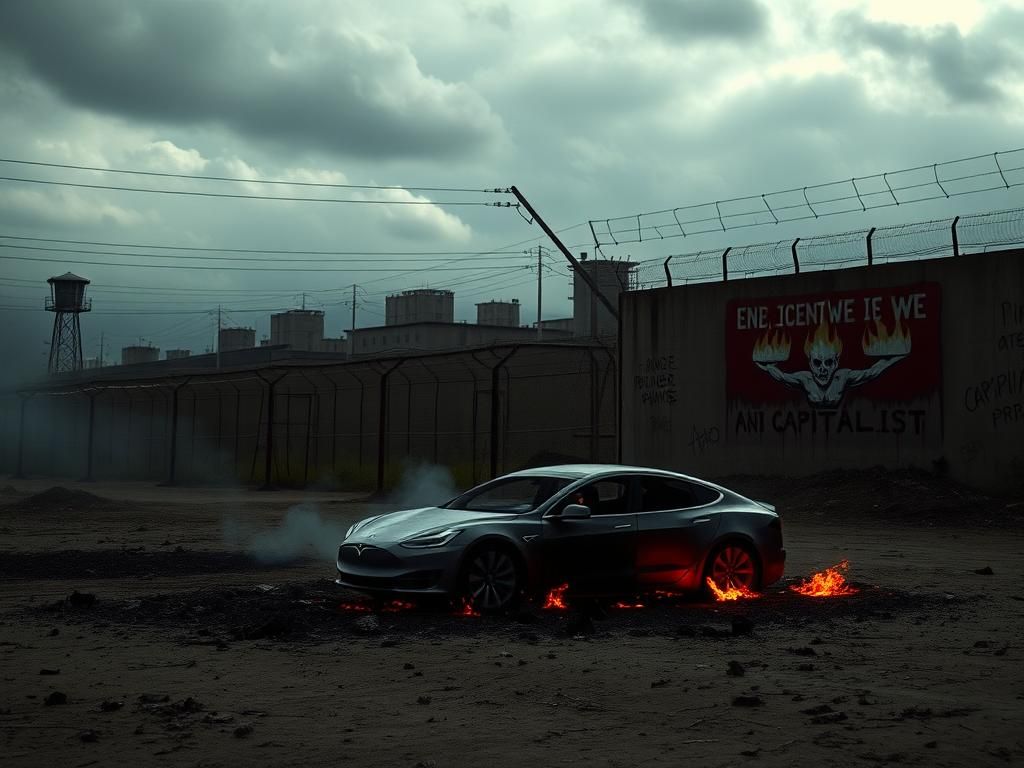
<point x="67" y="300"/>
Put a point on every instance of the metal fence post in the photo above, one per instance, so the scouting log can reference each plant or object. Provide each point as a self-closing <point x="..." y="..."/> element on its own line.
<point x="668" y="274"/>
<point x="20" y="473"/>
<point x="871" y="248"/>
<point x="956" y="240"/>
<point x="796" y="261"/>
<point x="173" y="463"/>
<point x="382" y="425"/>
<point x="496" y="409"/>
<point x="725" y="264"/>
<point x="92" y="421"/>
<point x="268" y="484"/>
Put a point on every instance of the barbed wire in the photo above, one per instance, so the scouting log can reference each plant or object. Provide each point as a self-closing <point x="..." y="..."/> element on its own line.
<point x="970" y="175"/>
<point x="975" y="233"/>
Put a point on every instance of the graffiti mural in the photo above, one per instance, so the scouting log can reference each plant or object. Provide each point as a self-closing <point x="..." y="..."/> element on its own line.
<point x="851" y="361"/>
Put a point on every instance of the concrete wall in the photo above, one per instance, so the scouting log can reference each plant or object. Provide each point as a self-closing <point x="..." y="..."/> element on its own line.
<point x="680" y="409"/>
<point x="440" y="336"/>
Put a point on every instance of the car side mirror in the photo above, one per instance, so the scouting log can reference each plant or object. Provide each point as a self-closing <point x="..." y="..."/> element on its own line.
<point x="575" y="512"/>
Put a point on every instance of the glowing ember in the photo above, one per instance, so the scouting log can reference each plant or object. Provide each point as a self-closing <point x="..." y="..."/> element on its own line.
<point x="827" y="583"/>
<point x="556" y="599"/>
<point x="731" y="592"/>
<point x="355" y="607"/>
<point x="629" y="606"/>
<point x="392" y="606"/>
<point x="467" y="609"/>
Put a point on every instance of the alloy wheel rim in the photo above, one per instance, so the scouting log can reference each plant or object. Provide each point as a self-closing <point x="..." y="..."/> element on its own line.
<point x="491" y="580"/>
<point x="733" y="567"/>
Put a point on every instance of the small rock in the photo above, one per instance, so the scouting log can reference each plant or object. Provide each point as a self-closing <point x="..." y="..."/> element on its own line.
<point x="748" y="701"/>
<point x="735" y="669"/>
<point x="742" y="626"/>
<point x="111" y="706"/>
<point x="54" y="632"/>
<point x="424" y="700"/>
<point x="660" y="683"/>
<point x="242" y="731"/>
<point x="55" y="698"/>
<point x="81" y="599"/>
<point x="407" y="665"/>
<point x="931" y="744"/>
<point x="367" y="625"/>
<point x="805" y="668"/>
<point x="805" y="651"/>
<point x="89" y="736"/>
<point x="828" y="718"/>
<point x="821" y="709"/>
<point x="986" y="571"/>
<point x="978" y="644"/>
<point x="49" y="671"/>
<point x="750" y="752"/>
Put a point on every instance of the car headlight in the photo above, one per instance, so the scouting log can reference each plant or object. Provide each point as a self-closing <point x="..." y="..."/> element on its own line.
<point x="438" y="539"/>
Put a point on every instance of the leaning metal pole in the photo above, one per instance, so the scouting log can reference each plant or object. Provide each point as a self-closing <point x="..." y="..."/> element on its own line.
<point x="568" y="255"/>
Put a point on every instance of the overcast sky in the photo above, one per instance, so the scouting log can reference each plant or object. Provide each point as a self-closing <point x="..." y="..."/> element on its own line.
<point x="593" y="109"/>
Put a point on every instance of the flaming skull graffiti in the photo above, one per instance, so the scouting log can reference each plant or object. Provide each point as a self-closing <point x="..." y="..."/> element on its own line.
<point x="825" y="382"/>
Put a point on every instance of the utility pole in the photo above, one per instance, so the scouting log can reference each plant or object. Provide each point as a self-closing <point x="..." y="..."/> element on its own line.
<point x="351" y="333"/>
<point x="101" y="351"/>
<point x="540" y="283"/>
<point x="218" y="337"/>
<point x="591" y="284"/>
<point x="303" y="301"/>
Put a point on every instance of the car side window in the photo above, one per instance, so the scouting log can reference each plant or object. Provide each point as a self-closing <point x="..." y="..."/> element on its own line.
<point x="609" y="496"/>
<point x="663" y="493"/>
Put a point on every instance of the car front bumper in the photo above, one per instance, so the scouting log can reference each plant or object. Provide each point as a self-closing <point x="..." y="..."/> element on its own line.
<point x="391" y="568"/>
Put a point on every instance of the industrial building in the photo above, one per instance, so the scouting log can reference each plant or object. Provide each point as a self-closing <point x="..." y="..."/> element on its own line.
<point x="230" y="339"/>
<point x="301" y="329"/>
<point x="590" y="317"/>
<point x="178" y="354"/>
<point x="440" y="336"/>
<point x="504" y="313"/>
<point x="139" y="354"/>
<point x="421" y="305"/>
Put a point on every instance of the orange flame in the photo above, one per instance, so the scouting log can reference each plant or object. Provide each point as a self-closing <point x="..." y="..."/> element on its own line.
<point x="771" y="347"/>
<point x="629" y="606"/>
<point x="392" y="606"/>
<point x="827" y="583"/>
<point x="556" y="599"/>
<point x="731" y="592"/>
<point x="884" y="343"/>
<point x="355" y="607"/>
<point x="824" y="342"/>
<point x="467" y="609"/>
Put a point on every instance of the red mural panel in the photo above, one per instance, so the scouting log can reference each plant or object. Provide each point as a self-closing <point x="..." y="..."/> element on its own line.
<point x="832" y="353"/>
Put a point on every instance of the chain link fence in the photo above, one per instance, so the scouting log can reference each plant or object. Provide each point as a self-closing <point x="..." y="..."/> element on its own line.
<point x="357" y="425"/>
<point x="975" y="233"/>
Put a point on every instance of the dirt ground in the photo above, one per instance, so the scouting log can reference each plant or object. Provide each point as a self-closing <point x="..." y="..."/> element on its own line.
<point x="137" y="625"/>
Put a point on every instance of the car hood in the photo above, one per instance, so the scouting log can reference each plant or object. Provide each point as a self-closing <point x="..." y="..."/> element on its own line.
<point x="401" y="525"/>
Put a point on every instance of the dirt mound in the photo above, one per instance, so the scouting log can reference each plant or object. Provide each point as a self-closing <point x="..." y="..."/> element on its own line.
<point x="911" y="497"/>
<point x="61" y="499"/>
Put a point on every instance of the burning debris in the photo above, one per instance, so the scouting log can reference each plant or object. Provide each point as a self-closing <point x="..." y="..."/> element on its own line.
<point x="555" y="600"/>
<point x="730" y="593"/>
<point x="827" y="583"/>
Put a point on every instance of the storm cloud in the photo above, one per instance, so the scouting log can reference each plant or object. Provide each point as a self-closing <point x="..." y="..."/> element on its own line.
<point x="335" y="89"/>
<point x="738" y="20"/>
<point x="974" y="67"/>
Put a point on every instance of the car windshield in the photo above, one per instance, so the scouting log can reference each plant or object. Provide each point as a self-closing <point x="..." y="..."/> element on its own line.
<point x="509" y="494"/>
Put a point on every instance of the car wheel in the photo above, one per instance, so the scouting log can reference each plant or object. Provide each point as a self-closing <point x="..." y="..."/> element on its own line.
<point x="734" y="565"/>
<point x="491" y="581"/>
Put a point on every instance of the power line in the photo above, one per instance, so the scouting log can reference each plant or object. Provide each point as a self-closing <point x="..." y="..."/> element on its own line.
<point x="321" y="184"/>
<point x="239" y="196"/>
<point x="254" y="250"/>
<point x="433" y="268"/>
<point x="374" y="259"/>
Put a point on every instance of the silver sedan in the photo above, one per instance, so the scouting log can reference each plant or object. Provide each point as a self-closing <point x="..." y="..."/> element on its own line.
<point x="601" y="529"/>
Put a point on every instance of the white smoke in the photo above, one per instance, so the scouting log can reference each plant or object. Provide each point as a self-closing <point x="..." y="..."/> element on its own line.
<point x="302" y="533"/>
<point x="423" y="485"/>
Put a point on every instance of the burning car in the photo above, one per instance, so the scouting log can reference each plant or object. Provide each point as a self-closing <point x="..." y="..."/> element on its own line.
<point x="602" y="529"/>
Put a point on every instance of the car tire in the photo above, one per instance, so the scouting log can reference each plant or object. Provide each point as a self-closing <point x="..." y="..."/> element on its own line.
<point x="735" y="562"/>
<point x="492" y="579"/>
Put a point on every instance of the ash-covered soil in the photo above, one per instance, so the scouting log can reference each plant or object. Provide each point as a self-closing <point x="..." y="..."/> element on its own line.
<point x="319" y="611"/>
<point x="125" y="563"/>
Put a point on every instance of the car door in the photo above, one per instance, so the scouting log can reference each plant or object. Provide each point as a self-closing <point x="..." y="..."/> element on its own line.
<point x="597" y="554"/>
<point x="676" y="524"/>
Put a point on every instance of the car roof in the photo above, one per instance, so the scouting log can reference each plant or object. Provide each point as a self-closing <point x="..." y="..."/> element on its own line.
<point x="577" y="471"/>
